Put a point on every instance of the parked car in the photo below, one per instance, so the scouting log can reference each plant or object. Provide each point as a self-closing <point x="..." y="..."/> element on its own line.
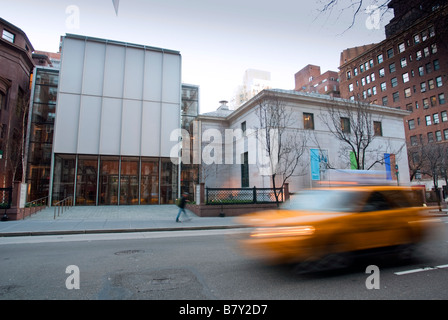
<point x="332" y="224"/>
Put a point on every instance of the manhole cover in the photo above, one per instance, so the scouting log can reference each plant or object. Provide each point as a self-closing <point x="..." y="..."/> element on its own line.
<point x="119" y="253"/>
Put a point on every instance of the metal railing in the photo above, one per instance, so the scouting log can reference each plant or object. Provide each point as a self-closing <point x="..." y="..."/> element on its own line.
<point x="41" y="202"/>
<point x="62" y="206"/>
<point x="218" y="196"/>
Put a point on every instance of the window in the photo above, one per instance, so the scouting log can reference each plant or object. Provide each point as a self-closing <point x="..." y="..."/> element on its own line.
<point x="426" y="51"/>
<point x="425" y="35"/>
<point x="245" y="170"/>
<point x="345" y="125"/>
<point x="371" y="63"/>
<point x="8" y="36"/>
<point x="432" y="33"/>
<point x="431" y="84"/>
<point x="349" y="75"/>
<point x="361" y="68"/>
<point x="405" y="77"/>
<point x="380" y="58"/>
<point x="401" y="47"/>
<point x="438" y="136"/>
<point x="436" y="65"/>
<point x="377" y="128"/>
<point x="445" y="134"/>
<point x="428" y="67"/>
<point x="383" y="86"/>
<point x="392" y="67"/>
<point x="428" y="120"/>
<point x="308" y="121"/>
<point x="411" y="124"/>
<point x="350" y="87"/>
<point x="425" y="103"/>
<point x="416" y="39"/>
<point x="435" y="117"/>
<point x="444" y="116"/>
<point x="394" y="82"/>
<point x="434" y="48"/>
<point x="396" y="96"/>
<point x="381" y="72"/>
<point x="390" y="53"/>
<point x="355" y="71"/>
<point x="243" y="127"/>
<point x="372" y="76"/>
<point x="442" y="98"/>
<point x="374" y="90"/>
<point x="419" y="54"/>
<point x="407" y="92"/>
<point x="423" y="87"/>
<point x="430" y="137"/>
<point x="403" y="62"/>
<point x="385" y="101"/>
<point x="421" y="71"/>
<point x="363" y="81"/>
<point x="433" y="101"/>
<point x="409" y="107"/>
<point x="439" y="82"/>
<point x="414" y="141"/>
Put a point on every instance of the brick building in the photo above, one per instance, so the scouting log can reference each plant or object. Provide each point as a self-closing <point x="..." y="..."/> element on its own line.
<point x="310" y="79"/>
<point x="16" y="66"/>
<point x="408" y="70"/>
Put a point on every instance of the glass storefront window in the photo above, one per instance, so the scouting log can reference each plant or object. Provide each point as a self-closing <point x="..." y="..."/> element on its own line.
<point x="129" y="180"/>
<point x="63" y="176"/>
<point x="86" y="183"/>
<point x="149" y="185"/>
<point x="109" y="175"/>
<point x="168" y="182"/>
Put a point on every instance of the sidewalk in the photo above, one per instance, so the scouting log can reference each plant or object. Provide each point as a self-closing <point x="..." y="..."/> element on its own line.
<point x="109" y="219"/>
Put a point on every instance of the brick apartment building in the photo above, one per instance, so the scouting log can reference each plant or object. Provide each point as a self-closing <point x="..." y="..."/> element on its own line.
<point x="16" y="67"/>
<point x="408" y="70"/>
<point x="310" y="79"/>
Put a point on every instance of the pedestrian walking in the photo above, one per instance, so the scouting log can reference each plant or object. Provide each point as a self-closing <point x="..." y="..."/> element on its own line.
<point x="181" y="204"/>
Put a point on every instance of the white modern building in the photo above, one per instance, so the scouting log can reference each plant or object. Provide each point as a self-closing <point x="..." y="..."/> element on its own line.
<point x="117" y="104"/>
<point x="322" y="150"/>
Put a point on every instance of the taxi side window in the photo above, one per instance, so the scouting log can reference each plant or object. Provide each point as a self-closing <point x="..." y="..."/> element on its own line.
<point x="376" y="202"/>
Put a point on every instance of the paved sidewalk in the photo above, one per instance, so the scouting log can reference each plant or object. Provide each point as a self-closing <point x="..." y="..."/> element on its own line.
<point x="105" y="219"/>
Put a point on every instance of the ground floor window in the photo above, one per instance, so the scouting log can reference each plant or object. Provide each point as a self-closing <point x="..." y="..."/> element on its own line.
<point x="114" y="180"/>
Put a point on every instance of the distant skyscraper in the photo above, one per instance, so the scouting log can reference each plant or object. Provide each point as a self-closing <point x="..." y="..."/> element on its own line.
<point x="254" y="81"/>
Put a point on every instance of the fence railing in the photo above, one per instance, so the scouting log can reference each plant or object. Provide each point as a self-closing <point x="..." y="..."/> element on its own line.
<point x="218" y="196"/>
<point x="63" y="205"/>
<point x="41" y="202"/>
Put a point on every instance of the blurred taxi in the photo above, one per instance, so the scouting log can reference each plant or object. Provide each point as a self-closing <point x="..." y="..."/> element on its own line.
<point x="323" y="223"/>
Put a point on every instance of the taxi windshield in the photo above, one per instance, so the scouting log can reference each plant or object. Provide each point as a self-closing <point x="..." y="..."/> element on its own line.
<point x="324" y="200"/>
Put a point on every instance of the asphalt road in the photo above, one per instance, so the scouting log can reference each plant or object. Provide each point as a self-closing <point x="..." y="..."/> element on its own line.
<point x="197" y="265"/>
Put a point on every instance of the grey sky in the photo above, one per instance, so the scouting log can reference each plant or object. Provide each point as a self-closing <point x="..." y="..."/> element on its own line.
<point x="218" y="39"/>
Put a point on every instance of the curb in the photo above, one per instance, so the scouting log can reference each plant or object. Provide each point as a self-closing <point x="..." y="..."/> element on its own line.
<point x="99" y="231"/>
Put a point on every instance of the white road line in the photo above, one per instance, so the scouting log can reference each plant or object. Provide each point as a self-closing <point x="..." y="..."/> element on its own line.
<point x="421" y="269"/>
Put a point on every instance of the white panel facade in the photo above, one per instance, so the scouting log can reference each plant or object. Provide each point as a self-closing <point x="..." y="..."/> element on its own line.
<point x="150" y="128"/>
<point x="114" y="71"/>
<point x="117" y="98"/>
<point x="94" y="69"/>
<point x="153" y="76"/>
<point x="131" y="127"/>
<point x="89" y="125"/>
<point x="72" y="66"/>
<point x="110" y="126"/>
<point x="133" y="79"/>
<point x="66" y="125"/>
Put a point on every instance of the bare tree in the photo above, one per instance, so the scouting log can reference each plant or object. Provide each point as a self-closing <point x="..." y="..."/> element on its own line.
<point x="352" y="123"/>
<point x="283" y="144"/>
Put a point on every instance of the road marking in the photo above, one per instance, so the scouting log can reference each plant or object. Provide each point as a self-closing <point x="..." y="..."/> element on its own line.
<point x="421" y="269"/>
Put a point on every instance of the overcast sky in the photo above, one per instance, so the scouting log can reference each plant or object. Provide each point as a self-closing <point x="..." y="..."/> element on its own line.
<point x="218" y="39"/>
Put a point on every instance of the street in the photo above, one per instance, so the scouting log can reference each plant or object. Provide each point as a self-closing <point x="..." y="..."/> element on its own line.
<point x="197" y="265"/>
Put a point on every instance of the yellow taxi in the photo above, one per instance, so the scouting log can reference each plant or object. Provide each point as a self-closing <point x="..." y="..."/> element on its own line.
<point x="328" y="224"/>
